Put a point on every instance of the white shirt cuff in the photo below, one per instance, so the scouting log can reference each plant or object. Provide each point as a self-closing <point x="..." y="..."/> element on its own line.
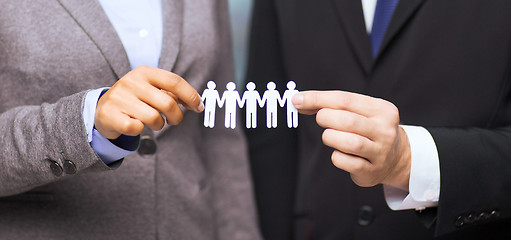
<point x="424" y="185"/>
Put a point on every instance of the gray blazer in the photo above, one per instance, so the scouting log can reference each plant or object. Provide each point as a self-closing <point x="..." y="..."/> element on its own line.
<point x="52" y="183"/>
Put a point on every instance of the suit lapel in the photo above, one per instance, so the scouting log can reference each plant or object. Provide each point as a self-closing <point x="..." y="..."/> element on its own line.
<point x="89" y="15"/>
<point x="351" y="17"/>
<point x="172" y="30"/>
<point x="404" y="11"/>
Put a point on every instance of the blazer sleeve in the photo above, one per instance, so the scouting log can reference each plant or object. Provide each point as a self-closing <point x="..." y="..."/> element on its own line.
<point x="475" y="172"/>
<point x="43" y="144"/>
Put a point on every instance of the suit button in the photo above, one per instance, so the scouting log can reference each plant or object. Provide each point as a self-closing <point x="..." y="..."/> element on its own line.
<point x="495" y="214"/>
<point x="365" y="215"/>
<point x="69" y="167"/>
<point x="460" y="222"/>
<point x="470" y="218"/>
<point x="55" y="168"/>
<point x="484" y="216"/>
<point x="147" y="146"/>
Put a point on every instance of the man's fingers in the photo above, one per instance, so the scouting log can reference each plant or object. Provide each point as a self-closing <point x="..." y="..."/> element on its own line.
<point x="308" y="112"/>
<point x="173" y="83"/>
<point x="350" y="163"/>
<point x="347" y="122"/>
<point x="349" y="143"/>
<point x="358" y="168"/>
<point x="312" y="101"/>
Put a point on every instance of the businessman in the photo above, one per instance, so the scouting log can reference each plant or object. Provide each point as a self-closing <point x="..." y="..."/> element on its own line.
<point x="410" y="129"/>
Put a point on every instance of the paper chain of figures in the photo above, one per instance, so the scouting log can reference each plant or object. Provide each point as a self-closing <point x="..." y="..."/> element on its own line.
<point x="250" y="99"/>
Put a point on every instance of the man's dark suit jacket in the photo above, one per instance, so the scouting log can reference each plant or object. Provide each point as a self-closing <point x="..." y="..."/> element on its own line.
<point x="444" y="63"/>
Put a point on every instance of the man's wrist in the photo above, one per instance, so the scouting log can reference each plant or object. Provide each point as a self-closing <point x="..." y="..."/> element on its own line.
<point x="424" y="183"/>
<point x="401" y="172"/>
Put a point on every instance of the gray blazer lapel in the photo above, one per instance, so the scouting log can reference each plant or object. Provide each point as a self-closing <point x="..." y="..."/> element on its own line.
<point x="172" y="30"/>
<point x="172" y="33"/>
<point x="89" y="15"/>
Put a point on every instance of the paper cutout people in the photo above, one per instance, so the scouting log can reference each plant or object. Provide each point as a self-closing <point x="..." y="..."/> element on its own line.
<point x="251" y="98"/>
<point x="292" y="113"/>
<point x="210" y="98"/>
<point x="230" y="97"/>
<point x="271" y="97"/>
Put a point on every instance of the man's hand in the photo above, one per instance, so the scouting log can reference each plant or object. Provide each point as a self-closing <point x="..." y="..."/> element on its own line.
<point x="365" y="133"/>
<point x="139" y="97"/>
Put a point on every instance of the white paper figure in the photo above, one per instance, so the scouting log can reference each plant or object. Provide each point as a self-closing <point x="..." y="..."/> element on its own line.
<point x="230" y="97"/>
<point x="210" y="98"/>
<point x="271" y="97"/>
<point x="250" y="100"/>
<point x="292" y="113"/>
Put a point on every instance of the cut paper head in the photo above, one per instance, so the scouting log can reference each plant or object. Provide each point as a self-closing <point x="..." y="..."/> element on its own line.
<point x="251" y="86"/>
<point x="231" y="86"/>
<point x="271" y="86"/>
<point x="211" y="85"/>
<point x="291" y="85"/>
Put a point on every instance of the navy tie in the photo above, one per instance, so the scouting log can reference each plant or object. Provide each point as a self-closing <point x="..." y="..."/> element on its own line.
<point x="382" y="16"/>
